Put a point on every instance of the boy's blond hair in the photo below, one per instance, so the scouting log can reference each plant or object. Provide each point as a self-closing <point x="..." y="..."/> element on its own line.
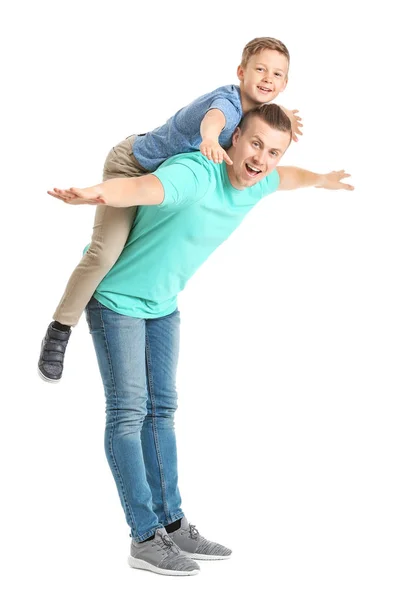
<point x="263" y="43"/>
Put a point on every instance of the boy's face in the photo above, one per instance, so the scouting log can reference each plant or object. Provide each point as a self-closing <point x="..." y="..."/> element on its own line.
<point x="256" y="151"/>
<point x="264" y="77"/>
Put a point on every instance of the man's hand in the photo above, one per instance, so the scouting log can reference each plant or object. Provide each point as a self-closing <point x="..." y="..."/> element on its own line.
<point x="296" y="122"/>
<point x="90" y="195"/>
<point x="213" y="151"/>
<point x="332" y="181"/>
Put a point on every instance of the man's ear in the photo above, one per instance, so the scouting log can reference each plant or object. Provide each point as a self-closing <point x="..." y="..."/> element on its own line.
<point x="240" y="73"/>
<point x="235" y="138"/>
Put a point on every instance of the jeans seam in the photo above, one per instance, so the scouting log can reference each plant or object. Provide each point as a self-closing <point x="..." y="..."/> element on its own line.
<point x="111" y="435"/>
<point x="154" y="428"/>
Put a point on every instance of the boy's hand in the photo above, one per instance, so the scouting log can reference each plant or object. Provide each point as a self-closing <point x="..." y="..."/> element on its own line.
<point x="296" y="122"/>
<point x="89" y="195"/>
<point x="332" y="181"/>
<point x="213" y="151"/>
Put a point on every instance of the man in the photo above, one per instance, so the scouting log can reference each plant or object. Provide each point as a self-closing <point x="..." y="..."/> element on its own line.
<point x="188" y="207"/>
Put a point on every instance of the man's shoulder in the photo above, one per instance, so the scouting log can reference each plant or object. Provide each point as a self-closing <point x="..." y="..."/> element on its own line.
<point x="192" y="160"/>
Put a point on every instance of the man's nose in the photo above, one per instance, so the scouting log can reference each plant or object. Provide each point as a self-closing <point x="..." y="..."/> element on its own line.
<point x="262" y="158"/>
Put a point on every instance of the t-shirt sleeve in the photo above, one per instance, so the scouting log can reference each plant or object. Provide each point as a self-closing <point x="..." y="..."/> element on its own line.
<point x="271" y="183"/>
<point x="184" y="183"/>
<point x="229" y="110"/>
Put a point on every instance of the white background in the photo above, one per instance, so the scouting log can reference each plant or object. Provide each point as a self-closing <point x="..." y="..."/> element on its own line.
<point x="289" y="390"/>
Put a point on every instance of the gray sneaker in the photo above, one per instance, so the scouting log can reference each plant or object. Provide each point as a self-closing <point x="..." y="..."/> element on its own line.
<point x="192" y="544"/>
<point x="161" y="555"/>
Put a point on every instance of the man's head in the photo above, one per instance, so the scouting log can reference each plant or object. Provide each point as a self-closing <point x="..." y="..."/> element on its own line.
<point x="258" y="144"/>
<point x="263" y="72"/>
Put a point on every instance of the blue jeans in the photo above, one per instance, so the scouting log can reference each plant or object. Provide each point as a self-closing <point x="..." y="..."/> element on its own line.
<point x="138" y="362"/>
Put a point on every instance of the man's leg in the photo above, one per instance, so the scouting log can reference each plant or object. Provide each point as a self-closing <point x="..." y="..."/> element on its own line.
<point x="120" y="348"/>
<point x="158" y="434"/>
<point x="159" y="443"/>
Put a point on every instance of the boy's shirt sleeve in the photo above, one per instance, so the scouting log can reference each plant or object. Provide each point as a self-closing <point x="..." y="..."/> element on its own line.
<point x="229" y="110"/>
<point x="185" y="181"/>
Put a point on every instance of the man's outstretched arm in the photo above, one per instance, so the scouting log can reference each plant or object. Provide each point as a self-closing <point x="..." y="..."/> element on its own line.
<point x="293" y="178"/>
<point x="120" y="192"/>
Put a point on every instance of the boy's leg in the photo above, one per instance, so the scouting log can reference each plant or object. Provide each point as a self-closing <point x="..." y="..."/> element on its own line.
<point x="110" y="232"/>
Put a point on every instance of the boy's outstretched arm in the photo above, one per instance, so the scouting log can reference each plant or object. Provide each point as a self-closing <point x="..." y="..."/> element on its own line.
<point x="120" y="192"/>
<point x="210" y="128"/>
<point x="292" y="178"/>
<point x="296" y="123"/>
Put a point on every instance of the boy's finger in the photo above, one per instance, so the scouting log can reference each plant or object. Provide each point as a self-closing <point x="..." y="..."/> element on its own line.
<point x="227" y="159"/>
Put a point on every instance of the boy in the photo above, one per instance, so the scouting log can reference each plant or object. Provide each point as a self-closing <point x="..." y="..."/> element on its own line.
<point x="206" y="125"/>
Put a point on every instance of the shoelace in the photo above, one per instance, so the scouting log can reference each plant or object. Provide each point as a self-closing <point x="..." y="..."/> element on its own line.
<point x="168" y="543"/>
<point x="193" y="532"/>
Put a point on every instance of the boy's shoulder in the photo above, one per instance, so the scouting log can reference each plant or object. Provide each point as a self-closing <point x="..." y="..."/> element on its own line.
<point x="230" y="92"/>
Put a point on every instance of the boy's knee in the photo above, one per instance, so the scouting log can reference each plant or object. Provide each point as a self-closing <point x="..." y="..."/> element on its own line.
<point x="101" y="255"/>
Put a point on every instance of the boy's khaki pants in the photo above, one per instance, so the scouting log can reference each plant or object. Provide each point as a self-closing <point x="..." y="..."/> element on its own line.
<point x="110" y="232"/>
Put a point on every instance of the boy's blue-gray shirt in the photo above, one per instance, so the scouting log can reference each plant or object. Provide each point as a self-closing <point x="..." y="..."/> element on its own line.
<point x="181" y="133"/>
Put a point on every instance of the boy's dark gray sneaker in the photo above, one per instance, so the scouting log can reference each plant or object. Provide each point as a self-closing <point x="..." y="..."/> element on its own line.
<point x="161" y="555"/>
<point x="192" y="544"/>
<point x="52" y="353"/>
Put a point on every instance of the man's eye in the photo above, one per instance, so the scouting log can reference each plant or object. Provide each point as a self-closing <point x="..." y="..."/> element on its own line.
<point x="273" y="153"/>
<point x="256" y="144"/>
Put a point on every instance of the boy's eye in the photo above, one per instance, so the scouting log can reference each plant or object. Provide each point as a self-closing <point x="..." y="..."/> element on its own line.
<point x="273" y="153"/>
<point x="278" y="74"/>
<point x="256" y="144"/>
<point x="259" y="69"/>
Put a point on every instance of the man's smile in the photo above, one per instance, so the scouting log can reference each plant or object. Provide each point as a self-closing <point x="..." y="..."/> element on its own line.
<point x="251" y="170"/>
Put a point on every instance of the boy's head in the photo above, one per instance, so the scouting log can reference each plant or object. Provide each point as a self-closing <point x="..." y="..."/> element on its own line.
<point x="263" y="72"/>
<point x="258" y="144"/>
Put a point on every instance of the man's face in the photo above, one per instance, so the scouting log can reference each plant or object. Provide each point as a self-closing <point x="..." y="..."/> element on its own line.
<point x="264" y="77"/>
<point x="256" y="151"/>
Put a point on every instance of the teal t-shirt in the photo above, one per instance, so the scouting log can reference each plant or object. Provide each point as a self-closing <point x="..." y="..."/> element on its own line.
<point x="170" y="241"/>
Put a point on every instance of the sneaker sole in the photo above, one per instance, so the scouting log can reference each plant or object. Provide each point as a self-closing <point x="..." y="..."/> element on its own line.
<point x="47" y="378"/>
<point x="204" y="556"/>
<point x="137" y="563"/>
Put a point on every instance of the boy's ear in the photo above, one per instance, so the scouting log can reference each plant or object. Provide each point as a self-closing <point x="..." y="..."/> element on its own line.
<point x="285" y="84"/>
<point x="240" y="73"/>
